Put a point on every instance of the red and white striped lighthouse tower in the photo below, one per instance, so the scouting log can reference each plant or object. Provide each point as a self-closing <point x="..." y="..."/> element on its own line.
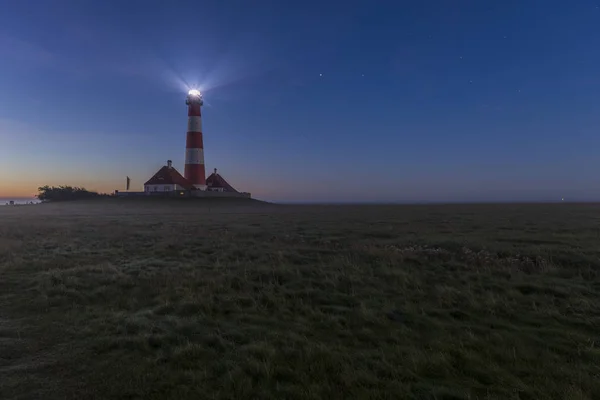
<point x="194" y="149"/>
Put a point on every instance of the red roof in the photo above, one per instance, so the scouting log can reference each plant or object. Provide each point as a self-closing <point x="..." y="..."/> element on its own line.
<point x="217" y="181"/>
<point x="168" y="176"/>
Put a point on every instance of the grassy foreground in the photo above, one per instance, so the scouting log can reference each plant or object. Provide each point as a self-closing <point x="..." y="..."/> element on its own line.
<point x="188" y="300"/>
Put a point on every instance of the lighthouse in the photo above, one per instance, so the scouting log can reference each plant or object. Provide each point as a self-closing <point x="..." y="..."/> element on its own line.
<point x="194" y="149"/>
<point x="167" y="181"/>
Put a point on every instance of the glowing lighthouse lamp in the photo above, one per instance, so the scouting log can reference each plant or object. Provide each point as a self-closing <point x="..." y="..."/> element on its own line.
<point x="194" y="148"/>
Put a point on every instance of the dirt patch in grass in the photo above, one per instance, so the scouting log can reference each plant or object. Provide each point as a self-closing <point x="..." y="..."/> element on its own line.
<point x="122" y="301"/>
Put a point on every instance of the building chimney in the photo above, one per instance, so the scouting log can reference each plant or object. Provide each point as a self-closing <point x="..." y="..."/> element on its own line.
<point x="215" y="171"/>
<point x="169" y="164"/>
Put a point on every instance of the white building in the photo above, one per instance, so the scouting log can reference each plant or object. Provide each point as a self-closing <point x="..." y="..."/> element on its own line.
<point x="167" y="179"/>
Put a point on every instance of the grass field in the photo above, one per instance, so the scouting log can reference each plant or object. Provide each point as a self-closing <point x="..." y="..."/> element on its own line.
<point x="199" y="300"/>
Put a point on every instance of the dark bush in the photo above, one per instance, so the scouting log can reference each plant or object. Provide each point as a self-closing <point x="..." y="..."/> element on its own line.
<point x="64" y="193"/>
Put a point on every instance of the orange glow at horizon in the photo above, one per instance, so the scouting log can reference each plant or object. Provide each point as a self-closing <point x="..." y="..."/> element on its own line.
<point x="21" y="188"/>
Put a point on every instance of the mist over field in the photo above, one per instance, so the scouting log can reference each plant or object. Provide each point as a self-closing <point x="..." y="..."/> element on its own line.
<point x="121" y="299"/>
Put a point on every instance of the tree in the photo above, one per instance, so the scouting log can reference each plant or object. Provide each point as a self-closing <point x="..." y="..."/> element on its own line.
<point x="64" y="193"/>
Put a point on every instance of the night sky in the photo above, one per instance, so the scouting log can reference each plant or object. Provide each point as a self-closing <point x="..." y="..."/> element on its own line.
<point x="386" y="101"/>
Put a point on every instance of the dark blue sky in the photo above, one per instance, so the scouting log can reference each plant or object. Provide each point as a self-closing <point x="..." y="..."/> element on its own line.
<point x="307" y="101"/>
